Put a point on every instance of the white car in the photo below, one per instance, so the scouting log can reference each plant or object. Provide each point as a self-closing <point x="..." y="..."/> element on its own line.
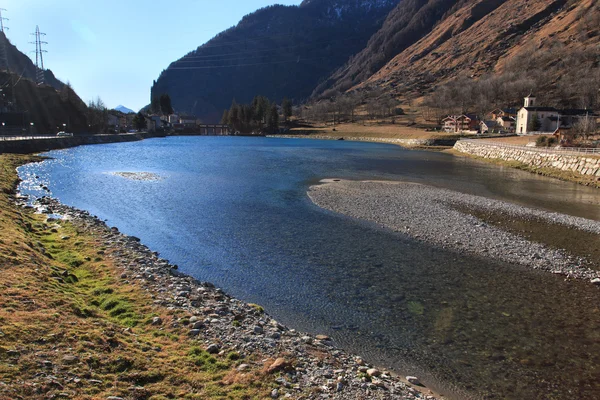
<point x="62" y="133"/>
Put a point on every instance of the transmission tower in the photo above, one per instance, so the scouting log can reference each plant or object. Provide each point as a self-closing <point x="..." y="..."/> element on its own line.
<point x="2" y="19"/>
<point x="3" y="51"/>
<point x="39" y="58"/>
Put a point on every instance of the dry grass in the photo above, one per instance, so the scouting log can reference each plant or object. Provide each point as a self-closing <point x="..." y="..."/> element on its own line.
<point x="395" y="131"/>
<point x="70" y="328"/>
<point x="515" y="140"/>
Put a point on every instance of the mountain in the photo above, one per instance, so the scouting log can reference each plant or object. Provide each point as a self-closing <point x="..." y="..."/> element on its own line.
<point x="22" y="65"/>
<point x="277" y="51"/>
<point x="408" y="22"/>
<point x="124" y="110"/>
<point x="549" y="46"/>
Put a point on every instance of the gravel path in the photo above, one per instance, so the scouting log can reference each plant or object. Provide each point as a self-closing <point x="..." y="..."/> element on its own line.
<point x="305" y="366"/>
<point x="430" y="214"/>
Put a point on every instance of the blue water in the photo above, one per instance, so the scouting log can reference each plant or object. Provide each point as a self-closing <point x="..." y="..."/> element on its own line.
<point x="234" y="211"/>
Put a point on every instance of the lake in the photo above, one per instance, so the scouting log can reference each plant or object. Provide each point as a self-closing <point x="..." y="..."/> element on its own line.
<point x="234" y="211"/>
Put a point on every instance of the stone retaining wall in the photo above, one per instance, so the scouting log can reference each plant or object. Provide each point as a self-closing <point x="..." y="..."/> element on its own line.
<point x="535" y="157"/>
<point x="27" y="146"/>
<point x="400" y="142"/>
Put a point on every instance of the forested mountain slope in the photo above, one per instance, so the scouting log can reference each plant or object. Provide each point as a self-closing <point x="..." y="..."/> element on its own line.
<point x="277" y="51"/>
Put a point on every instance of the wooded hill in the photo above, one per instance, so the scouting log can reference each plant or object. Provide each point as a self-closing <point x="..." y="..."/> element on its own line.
<point x="408" y="48"/>
<point x="277" y="51"/>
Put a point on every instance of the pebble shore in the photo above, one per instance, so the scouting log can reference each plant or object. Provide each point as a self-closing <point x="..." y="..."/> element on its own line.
<point x="303" y="366"/>
<point x="434" y="216"/>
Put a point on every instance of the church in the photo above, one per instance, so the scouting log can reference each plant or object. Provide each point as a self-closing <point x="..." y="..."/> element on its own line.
<point x="534" y="119"/>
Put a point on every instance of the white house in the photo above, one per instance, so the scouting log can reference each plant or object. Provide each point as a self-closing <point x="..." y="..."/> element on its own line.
<point x="532" y="118"/>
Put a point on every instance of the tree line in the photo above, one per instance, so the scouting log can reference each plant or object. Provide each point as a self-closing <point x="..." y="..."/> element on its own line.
<point x="342" y="107"/>
<point x="560" y="77"/>
<point x="259" y="116"/>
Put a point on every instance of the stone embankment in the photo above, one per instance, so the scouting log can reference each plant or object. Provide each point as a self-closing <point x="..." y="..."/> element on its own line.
<point x="538" y="158"/>
<point x="400" y="142"/>
<point x="27" y="146"/>
<point x="305" y="366"/>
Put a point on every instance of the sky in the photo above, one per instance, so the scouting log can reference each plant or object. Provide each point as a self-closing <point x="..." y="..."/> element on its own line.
<point x="115" y="49"/>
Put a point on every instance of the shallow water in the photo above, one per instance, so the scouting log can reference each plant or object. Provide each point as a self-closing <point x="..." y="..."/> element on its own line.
<point x="234" y="211"/>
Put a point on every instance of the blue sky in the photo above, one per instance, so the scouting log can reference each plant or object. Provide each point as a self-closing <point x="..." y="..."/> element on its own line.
<point x="115" y="49"/>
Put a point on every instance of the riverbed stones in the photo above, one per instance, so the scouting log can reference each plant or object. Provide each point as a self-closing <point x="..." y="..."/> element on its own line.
<point x="414" y="380"/>
<point x="435" y="216"/>
<point x="305" y="366"/>
<point x="213" y="348"/>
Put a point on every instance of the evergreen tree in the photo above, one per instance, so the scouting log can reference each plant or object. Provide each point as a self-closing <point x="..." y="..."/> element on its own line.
<point x="155" y="105"/>
<point x="286" y="105"/>
<point x="273" y="119"/>
<point x="139" y="121"/>
<point x="234" y="116"/>
<point x="260" y="106"/>
<point x="225" y="118"/>
<point x="165" y="104"/>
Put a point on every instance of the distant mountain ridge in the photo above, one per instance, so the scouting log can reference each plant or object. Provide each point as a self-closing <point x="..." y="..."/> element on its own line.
<point x="124" y="109"/>
<point x="278" y="51"/>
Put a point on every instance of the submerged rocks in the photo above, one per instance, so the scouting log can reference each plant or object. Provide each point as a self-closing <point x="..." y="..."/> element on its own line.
<point x="303" y="366"/>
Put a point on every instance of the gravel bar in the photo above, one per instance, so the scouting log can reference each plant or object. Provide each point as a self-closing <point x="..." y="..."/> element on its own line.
<point x="432" y="215"/>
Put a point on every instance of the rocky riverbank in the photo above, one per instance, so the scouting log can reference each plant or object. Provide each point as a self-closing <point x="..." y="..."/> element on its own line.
<point x="256" y="349"/>
<point x="447" y="219"/>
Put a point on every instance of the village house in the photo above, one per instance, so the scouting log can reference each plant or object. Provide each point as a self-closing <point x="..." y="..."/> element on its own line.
<point x="113" y="122"/>
<point x="507" y="124"/>
<point x="126" y="122"/>
<point x="503" y="112"/>
<point x="460" y="123"/>
<point x="533" y="119"/>
<point x="490" y="127"/>
<point x="187" y="121"/>
<point x="153" y="123"/>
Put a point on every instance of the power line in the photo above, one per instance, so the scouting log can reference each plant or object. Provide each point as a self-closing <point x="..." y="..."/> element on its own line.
<point x="39" y="58"/>
<point x="3" y="51"/>
<point x="242" y="57"/>
<point x="269" y="49"/>
<point x="298" y="60"/>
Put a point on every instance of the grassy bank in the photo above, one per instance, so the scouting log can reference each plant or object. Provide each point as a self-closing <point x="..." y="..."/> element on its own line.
<point x="70" y="328"/>
<point x="387" y="131"/>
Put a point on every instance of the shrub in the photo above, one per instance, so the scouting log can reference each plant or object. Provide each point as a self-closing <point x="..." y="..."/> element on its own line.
<point x="541" y="141"/>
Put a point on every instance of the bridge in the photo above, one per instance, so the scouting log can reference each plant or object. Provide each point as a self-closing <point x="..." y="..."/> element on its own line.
<point x="202" y="129"/>
<point x="216" y="129"/>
